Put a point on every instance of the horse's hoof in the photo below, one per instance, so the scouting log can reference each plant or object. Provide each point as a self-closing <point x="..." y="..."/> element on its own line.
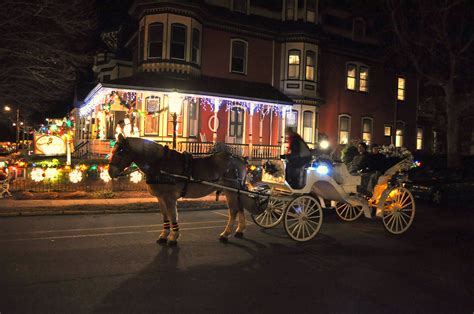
<point x="223" y="239"/>
<point x="172" y="243"/>
<point x="239" y="235"/>
<point x="161" y="241"/>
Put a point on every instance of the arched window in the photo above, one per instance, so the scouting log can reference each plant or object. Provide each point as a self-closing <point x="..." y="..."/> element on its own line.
<point x="310" y="65"/>
<point x="155" y="40"/>
<point x="178" y="41"/>
<point x="294" y="56"/>
<point x="367" y="126"/>
<point x="308" y="126"/>
<point x="238" y="56"/>
<point x="344" y="129"/>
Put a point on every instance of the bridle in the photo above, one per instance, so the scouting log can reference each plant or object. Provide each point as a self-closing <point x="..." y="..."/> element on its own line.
<point x="116" y="156"/>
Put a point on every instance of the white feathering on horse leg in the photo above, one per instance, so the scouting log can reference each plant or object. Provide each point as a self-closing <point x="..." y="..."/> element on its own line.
<point x="241" y="222"/>
<point x="230" y="224"/>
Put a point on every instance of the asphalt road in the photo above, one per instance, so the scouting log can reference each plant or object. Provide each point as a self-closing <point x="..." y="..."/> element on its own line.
<point x="111" y="264"/>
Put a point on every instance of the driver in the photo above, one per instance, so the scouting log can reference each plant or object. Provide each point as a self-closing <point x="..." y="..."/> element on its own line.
<point x="298" y="155"/>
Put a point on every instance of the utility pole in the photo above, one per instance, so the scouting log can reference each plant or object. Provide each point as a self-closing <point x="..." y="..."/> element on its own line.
<point x="17" y="127"/>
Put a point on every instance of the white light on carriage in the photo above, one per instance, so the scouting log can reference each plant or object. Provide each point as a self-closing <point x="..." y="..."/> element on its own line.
<point x="322" y="169"/>
<point x="324" y="144"/>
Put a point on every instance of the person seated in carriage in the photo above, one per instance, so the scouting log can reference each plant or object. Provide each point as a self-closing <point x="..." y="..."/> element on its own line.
<point x="298" y="155"/>
<point x="360" y="162"/>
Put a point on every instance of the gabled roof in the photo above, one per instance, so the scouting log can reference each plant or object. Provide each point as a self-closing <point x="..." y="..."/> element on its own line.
<point x="203" y="85"/>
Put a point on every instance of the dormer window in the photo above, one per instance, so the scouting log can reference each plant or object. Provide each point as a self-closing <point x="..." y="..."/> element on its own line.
<point x="155" y="40"/>
<point x="240" y="6"/>
<point x="178" y="41"/>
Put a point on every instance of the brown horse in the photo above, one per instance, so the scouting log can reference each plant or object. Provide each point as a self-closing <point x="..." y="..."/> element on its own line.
<point x="156" y="161"/>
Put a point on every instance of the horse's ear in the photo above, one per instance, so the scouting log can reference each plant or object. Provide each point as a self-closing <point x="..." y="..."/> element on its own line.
<point x="120" y="138"/>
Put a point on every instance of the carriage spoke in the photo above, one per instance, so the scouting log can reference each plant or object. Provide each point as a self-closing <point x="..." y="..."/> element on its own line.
<point x="402" y="219"/>
<point x="303" y="218"/>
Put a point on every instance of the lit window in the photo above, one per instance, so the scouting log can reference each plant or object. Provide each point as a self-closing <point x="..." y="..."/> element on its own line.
<point x="310" y="57"/>
<point x="351" y="76"/>
<point x="344" y="129"/>
<point x="308" y="126"/>
<point x="363" y="78"/>
<point x="195" y="45"/>
<point x="399" y="135"/>
<point x="401" y="89"/>
<point x="367" y="130"/>
<point x="292" y="120"/>
<point x="240" y="6"/>
<point x="294" y="64"/>
<point x="419" y="138"/>
<point x="239" y="56"/>
<point x="387" y="130"/>
<point x="155" y="40"/>
<point x="178" y="41"/>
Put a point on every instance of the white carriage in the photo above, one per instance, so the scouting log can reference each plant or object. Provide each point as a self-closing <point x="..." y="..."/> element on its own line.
<point x="301" y="209"/>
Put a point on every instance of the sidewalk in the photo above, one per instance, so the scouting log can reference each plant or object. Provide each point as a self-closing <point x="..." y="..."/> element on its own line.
<point x="11" y="207"/>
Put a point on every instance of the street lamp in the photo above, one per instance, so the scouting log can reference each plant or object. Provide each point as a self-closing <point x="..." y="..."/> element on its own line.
<point x="17" y="123"/>
<point x="175" y="103"/>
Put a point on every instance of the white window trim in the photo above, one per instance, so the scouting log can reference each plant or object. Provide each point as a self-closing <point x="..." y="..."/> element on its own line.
<point x="246" y="55"/>
<point x="147" y="40"/>
<point x="339" y="127"/>
<point x="299" y="64"/>
<point x="314" y="65"/>
<point x="186" y="39"/>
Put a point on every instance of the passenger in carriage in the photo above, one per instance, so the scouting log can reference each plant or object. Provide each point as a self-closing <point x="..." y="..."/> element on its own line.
<point x="377" y="160"/>
<point x="361" y="161"/>
<point x="298" y="155"/>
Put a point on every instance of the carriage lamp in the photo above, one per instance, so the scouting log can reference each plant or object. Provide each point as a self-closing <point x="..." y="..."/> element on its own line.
<point x="324" y="144"/>
<point x="175" y="103"/>
<point x="322" y="169"/>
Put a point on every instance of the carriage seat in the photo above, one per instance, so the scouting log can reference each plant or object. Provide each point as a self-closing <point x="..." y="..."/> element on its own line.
<point x="343" y="176"/>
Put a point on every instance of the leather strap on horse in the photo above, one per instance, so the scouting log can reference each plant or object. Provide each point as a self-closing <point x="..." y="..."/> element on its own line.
<point x="187" y="171"/>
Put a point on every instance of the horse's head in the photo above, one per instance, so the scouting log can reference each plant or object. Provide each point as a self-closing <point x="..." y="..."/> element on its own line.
<point x="121" y="157"/>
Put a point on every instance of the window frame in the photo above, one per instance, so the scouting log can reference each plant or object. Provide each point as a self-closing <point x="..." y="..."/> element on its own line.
<point x="348" y="128"/>
<point x="141" y="42"/>
<point x="295" y="126"/>
<point x="357" y="79"/>
<point x="298" y="76"/>
<point x="362" y="131"/>
<point x="195" y="57"/>
<point x="245" y="58"/>
<point x="246" y="9"/>
<point x="349" y="64"/>
<point x="402" y="136"/>
<point x="419" y="138"/>
<point x="234" y="123"/>
<point x="310" y="66"/>
<point x="311" y="127"/>
<point x="155" y="115"/>
<point x="292" y="7"/>
<point x="182" y="26"/>
<point x="387" y="126"/>
<point x="359" y="72"/>
<point x="149" y="42"/>
<point x="399" y="77"/>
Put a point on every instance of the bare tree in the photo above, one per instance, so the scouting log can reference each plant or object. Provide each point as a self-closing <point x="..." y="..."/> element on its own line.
<point x="43" y="46"/>
<point x="437" y="38"/>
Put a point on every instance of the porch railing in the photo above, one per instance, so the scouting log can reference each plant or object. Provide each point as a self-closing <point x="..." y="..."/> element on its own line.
<point x="265" y="151"/>
<point x="195" y="148"/>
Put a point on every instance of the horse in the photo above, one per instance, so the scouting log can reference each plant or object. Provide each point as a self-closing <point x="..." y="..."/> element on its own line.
<point x="157" y="162"/>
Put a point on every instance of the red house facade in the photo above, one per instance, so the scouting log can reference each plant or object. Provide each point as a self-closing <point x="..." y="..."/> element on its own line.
<point x="240" y="71"/>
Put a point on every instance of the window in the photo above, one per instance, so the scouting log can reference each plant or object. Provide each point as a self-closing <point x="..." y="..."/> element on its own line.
<point x="239" y="56"/>
<point x="290" y="9"/>
<point x="308" y="126"/>
<point x="292" y="120"/>
<point x="387" y="130"/>
<point x="179" y="124"/>
<point x="401" y="89"/>
<point x="367" y="125"/>
<point x="344" y="129"/>
<point x="195" y="45"/>
<point x="142" y="43"/>
<point x="351" y="76"/>
<point x="193" y="117"/>
<point x="155" y="40"/>
<point x="357" y="77"/>
<point x="294" y="64"/>
<point x="399" y="134"/>
<point x="419" y="138"/>
<point x="363" y="77"/>
<point x="236" y="123"/>
<point x="310" y="58"/>
<point x="240" y="6"/>
<point x="178" y="41"/>
<point x="152" y="106"/>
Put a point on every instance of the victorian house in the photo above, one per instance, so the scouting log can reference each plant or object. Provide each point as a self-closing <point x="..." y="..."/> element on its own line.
<point x="240" y="71"/>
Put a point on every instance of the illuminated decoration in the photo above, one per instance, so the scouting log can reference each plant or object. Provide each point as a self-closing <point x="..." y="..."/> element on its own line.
<point x="136" y="176"/>
<point x="324" y="144"/>
<point x="49" y="145"/>
<point x="51" y="173"/>
<point x="322" y="170"/>
<point x="75" y="176"/>
<point x="104" y="175"/>
<point x="37" y="174"/>
<point x="417" y="163"/>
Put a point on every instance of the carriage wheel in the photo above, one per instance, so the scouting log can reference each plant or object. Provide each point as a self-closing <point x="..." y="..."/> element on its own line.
<point x="303" y="218"/>
<point x="398" y="210"/>
<point x="272" y="214"/>
<point x="347" y="212"/>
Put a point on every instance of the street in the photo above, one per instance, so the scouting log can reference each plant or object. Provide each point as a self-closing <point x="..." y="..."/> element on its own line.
<point x="111" y="264"/>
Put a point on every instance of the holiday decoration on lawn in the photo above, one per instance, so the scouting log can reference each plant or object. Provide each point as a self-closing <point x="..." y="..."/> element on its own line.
<point x="104" y="175"/>
<point x="75" y="176"/>
<point x="37" y="174"/>
<point x="51" y="173"/>
<point x="136" y="176"/>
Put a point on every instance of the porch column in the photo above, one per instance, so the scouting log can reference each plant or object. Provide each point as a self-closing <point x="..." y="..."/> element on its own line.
<point x="282" y="131"/>
<point x="216" y="125"/>
<point x="252" y="107"/>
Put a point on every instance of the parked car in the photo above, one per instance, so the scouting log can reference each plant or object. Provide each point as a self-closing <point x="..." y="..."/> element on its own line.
<point x="442" y="185"/>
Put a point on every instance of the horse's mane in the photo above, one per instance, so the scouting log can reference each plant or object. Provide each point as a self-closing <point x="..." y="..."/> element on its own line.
<point x="143" y="147"/>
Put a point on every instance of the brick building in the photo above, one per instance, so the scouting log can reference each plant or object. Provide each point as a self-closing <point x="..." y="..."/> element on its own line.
<point x="242" y="70"/>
